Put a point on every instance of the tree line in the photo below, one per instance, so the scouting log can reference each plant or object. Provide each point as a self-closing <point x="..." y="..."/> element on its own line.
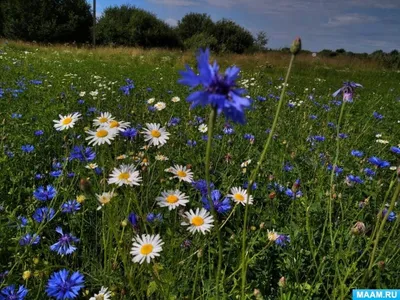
<point x="70" y="21"/>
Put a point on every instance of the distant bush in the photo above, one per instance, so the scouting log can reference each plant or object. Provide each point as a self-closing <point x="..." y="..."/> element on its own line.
<point x="201" y="40"/>
<point x="130" y="26"/>
<point x="194" y="24"/>
<point x="232" y="37"/>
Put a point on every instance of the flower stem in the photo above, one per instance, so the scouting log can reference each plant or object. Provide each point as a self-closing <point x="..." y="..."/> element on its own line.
<point x="254" y="175"/>
<point x="211" y="123"/>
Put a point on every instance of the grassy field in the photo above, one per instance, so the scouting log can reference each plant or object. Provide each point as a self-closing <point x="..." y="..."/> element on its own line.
<point x="313" y="231"/>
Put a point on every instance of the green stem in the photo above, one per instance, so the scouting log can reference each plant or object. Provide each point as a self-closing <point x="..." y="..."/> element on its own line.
<point x="211" y="123"/>
<point x="254" y="175"/>
<point x="390" y="209"/>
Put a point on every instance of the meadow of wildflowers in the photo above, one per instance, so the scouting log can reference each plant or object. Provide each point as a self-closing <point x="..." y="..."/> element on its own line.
<point x="134" y="178"/>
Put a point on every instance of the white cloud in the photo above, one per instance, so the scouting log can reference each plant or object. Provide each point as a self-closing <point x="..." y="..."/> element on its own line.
<point x="350" y="19"/>
<point x="176" y="2"/>
<point x="171" y="22"/>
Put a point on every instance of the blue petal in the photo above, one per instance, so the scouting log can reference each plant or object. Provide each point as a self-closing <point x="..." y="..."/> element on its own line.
<point x="337" y="92"/>
<point x="198" y="98"/>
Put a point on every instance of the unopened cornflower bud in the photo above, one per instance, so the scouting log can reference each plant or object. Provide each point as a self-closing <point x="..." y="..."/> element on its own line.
<point x="253" y="228"/>
<point x="124" y="223"/>
<point x="282" y="282"/>
<point x="258" y="294"/>
<point x="296" y="46"/>
<point x="85" y="185"/>
<point x="358" y="228"/>
<point x="381" y="265"/>
<point x="36" y="260"/>
<point x="26" y="275"/>
<point x="262" y="225"/>
<point x="200" y="253"/>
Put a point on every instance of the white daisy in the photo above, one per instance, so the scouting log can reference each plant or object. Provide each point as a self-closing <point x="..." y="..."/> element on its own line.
<point x="272" y="235"/>
<point x="155" y="135"/>
<point x="102" y="295"/>
<point x="160" y="106"/>
<point x="151" y="100"/>
<point x="203" y="128"/>
<point x="239" y="195"/>
<point x="118" y="125"/>
<point x="200" y="220"/>
<point x="161" y="157"/>
<point x="66" y="122"/>
<point x="172" y="199"/>
<point x="182" y="173"/>
<point x="105" y="198"/>
<point x="175" y="99"/>
<point x="126" y="174"/>
<point x="91" y="166"/>
<point x="101" y="135"/>
<point x="82" y="94"/>
<point x="103" y="119"/>
<point x="146" y="247"/>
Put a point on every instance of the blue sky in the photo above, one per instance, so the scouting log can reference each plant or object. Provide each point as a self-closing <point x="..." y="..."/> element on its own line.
<point x="355" y="25"/>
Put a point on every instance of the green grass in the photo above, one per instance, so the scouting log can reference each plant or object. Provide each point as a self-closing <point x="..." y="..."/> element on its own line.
<point x="322" y="261"/>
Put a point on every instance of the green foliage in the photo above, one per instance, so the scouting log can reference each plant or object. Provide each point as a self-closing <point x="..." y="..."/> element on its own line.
<point x="232" y="37"/>
<point x="46" y="20"/>
<point x="201" y="40"/>
<point x="130" y="26"/>
<point x="194" y="24"/>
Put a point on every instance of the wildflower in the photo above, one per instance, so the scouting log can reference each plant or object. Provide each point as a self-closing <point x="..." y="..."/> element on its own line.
<point x="254" y="186"/>
<point x="203" y="128"/>
<point x="160" y="106"/>
<point x="282" y="280"/>
<point x="228" y="129"/>
<point x="272" y="235"/>
<point x="358" y="228"/>
<point x="350" y="179"/>
<point x="102" y="295"/>
<point x="133" y="219"/>
<point x="347" y="90"/>
<point x="70" y="206"/>
<point x="43" y="214"/>
<point x="29" y="239"/>
<point x="45" y="193"/>
<point x="220" y="205"/>
<point x="156" y="135"/>
<point x="172" y="199"/>
<point x="126" y="174"/>
<point x="357" y="153"/>
<point x="105" y="198"/>
<point x="82" y="154"/>
<point x="161" y="157"/>
<point x="67" y="121"/>
<point x="287" y="167"/>
<point x="282" y="240"/>
<point x="91" y="166"/>
<point x="201" y="186"/>
<point x="120" y="126"/>
<point x="39" y="132"/>
<point x="103" y="119"/>
<point x="101" y="135"/>
<point x="64" y="246"/>
<point x="146" y="248"/>
<point x="56" y="174"/>
<point x="191" y="143"/>
<point x="378" y="162"/>
<point x="239" y="195"/>
<point x="377" y="115"/>
<point x="369" y="172"/>
<point x="27" y="148"/>
<point x="391" y="217"/>
<point x="173" y="121"/>
<point x="343" y="135"/>
<point x="10" y="293"/>
<point x="219" y="90"/>
<point x="23" y="221"/>
<point x="151" y="217"/>
<point x="296" y="46"/>
<point x="182" y="173"/>
<point x="395" y="150"/>
<point x="151" y="100"/>
<point x="63" y="286"/>
<point x="26" y="275"/>
<point x="198" y="221"/>
<point x="175" y="99"/>
<point x="129" y="133"/>
<point x="338" y="170"/>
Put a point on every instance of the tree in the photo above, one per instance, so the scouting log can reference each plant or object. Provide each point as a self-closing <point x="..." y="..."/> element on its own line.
<point x="232" y="37"/>
<point x="261" y="41"/>
<point x="193" y="24"/>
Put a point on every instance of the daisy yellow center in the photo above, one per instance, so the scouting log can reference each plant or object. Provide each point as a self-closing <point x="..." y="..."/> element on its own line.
<point x="172" y="199"/>
<point x="238" y="197"/>
<point x="103" y="119"/>
<point x="99" y="297"/>
<point x="146" y="249"/>
<point x="114" y="124"/>
<point x="181" y="173"/>
<point x="66" y="121"/>
<point x="104" y="199"/>
<point x="123" y="176"/>
<point x="101" y="133"/>
<point x="197" y="221"/>
<point x="155" y="133"/>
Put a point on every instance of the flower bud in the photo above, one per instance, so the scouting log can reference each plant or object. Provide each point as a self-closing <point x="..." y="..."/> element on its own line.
<point x="381" y="265"/>
<point x="296" y="46"/>
<point x="26" y="275"/>
<point x="358" y="228"/>
<point x="282" y="282"/>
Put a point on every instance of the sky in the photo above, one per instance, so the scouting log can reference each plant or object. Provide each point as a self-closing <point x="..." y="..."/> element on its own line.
<point x="354" y="25"/>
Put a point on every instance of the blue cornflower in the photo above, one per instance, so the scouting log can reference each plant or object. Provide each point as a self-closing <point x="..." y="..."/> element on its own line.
<point x="35" y="82"/>
<point x="39" y="132"/>
<point x="246" y="184"/>
<point x="81" y="101"/>
<point x="291" y="194"/>
<point x="45" y="193"/>
<point x="39" y="176"/>
<point x="56" y="174"/>
<point x="23" y="221"/>
<point x="151" y="108"/>
<point x="64" y="246"/>
<point x="70" y="206"/>
<point x="27" y="148"/>
<point x="338" y="170"/>
<point x="82" y="154"/>
<point x="133" y="219"/>
<point x="98" y="170"/>
<point x="369" y="172"/>
<point x="228" y="129"/>
<point x="287" y="167"/>
<point x="62" y="286"/>
<point x="357" y="153"/>
<point x="92" y="110"/>
<point x="221" y="206"/>
<point x="16" y="116"/>
<point x="347" y="90"/>
<point x="3" y="275"/>
<point x="56" y="165"/>
<point x="391" y="217"/>
<point x="378" y="162"/>
<point x="313" y="117"/>
<point x="191" y="143"/>
<point x="151" y="217"/>
<point x="220" y="91"/>
<point x="282" y="240"/>
<point x="317" y="138"/>
<point x="10" y="293"/>
<point x="149" y="89"/>
<point x="377" y="115"/>
<point x="326" y="107"/>
<point x="395" y="149"/>
<point x="343" y="135"/>
<point x="9" y="154"/>
<point x="248" y="136"/>
<point x="218" y="137"/>
<point x="71" y="175"/>
<point x="201" y="186"/>
<point x="173" y="121"/>
<point x="260" y="98"/>
<point x="29" y="239"/>
<point x="43" y="214"/>
<point x="336" y="102"/>
<point x="128" y="87"/>
<point x="352" y="178"/>
<point x="129" y="133"/>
